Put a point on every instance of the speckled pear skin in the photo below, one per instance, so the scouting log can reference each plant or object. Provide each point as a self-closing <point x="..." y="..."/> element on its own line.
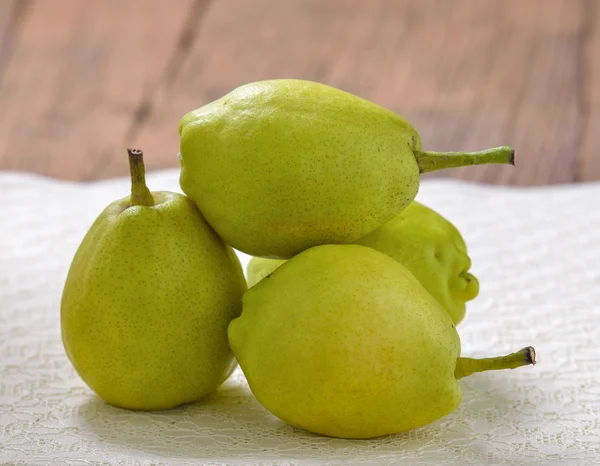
<point x="427" y="244"/>
<point x="435" y="253"/>
<point x="356" y="347"/>
<point x="279" y="166"/>
<point x="147" y="302"/>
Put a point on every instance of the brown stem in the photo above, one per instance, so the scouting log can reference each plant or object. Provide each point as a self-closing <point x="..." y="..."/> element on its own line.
<point x="140" y="194"/>
<point x="468" y="366"/>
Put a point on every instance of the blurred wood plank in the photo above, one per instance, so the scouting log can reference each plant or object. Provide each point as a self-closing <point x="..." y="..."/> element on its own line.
<point x="6" y="29"/>
<point x="87" y="79"/>
<point x="78" y="80"/>
<point x="12" y="13"/>
<point x="589" y="166"/>
<point x="468" y="74"/>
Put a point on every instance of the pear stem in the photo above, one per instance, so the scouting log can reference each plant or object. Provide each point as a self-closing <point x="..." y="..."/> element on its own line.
<point x="431" y="161"/>
<point x="140" y="194"/>
<point x="468" y="366"/>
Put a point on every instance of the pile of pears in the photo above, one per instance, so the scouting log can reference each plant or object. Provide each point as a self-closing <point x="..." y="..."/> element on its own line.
<point x="346" y="326"/>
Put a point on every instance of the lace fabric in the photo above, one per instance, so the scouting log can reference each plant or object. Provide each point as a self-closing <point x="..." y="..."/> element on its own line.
<point x="535" y="251"/>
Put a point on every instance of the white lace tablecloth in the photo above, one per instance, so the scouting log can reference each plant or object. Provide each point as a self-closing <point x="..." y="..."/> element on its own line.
<point x="536" y="252"/>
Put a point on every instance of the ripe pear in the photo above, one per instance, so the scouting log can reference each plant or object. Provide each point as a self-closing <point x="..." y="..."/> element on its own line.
<point x="427" y="244"/>
<point x="279" y="166"/>
<point x="147" y="301"/>
<point x="434" y="251"/>
<point x="342" y="340"/>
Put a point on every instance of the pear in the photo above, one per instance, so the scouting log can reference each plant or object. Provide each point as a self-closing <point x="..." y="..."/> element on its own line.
<point x="279" y="166"/>
<point x="147" y="301"/>
<point x="427" y="244"/>
<point x="434" y="251"/>
<point x="343" y="341"/>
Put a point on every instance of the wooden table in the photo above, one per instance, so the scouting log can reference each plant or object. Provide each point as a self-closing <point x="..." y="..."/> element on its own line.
<point x="81" y="80"/>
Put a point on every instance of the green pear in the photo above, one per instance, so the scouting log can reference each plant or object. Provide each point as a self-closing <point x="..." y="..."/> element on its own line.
<point x="434" y="251"/>
<point x="427" y="244"/>
<point x="147" y="301"/>
<point x="342" y="340"/>
<point x="279" y="166"/>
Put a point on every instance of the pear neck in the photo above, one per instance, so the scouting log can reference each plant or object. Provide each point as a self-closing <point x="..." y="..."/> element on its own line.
<point x="468" y="366"/>
<point x="140" y="194"/>
<point x="431" y="161"/>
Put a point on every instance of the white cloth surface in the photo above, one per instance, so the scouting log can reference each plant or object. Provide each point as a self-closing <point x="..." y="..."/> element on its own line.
<point x="536" y="252"/>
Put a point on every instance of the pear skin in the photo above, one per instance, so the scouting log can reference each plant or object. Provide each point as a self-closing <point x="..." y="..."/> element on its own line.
<point x="435" y="253"/>
<point x="259" y="268"/>
<point x="427" y="244"/>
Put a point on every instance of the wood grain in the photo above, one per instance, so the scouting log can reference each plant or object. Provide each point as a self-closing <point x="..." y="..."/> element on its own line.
<point x="468" y="74"/>
<point x="87" y="79"/>
<point x="78" y="80"/>
<point x="12" y="13"/>
<point x="589" y="150"/>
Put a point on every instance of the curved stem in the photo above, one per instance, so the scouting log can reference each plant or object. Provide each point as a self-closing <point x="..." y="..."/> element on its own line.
<point x="468" y="366"/>
<point x="140" y="194"/>
<point x="431" y="161"/>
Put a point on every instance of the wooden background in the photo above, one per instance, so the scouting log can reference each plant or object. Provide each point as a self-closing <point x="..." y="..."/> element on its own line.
<point x="81" y="80"/>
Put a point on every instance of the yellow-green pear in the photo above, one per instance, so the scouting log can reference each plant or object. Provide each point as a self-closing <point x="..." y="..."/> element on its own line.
<point x="342" y="340"/>
<point x="427" y="244"/>
<point x="281" y="165"/>
<point x="434" y="251"/>
<point x="147" y="301"/>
